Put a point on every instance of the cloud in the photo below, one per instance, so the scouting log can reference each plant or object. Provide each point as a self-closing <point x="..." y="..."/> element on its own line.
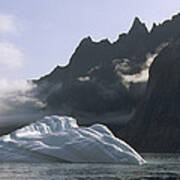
<point x="10" y="56"/>
<point x="144" y="74"/>
<point x="7" y="24"/>
<point x="18" y="102"/>
<point x="9" y="87"/>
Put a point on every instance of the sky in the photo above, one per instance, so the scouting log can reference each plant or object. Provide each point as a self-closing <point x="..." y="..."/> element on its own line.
<point x="37" y="35"/>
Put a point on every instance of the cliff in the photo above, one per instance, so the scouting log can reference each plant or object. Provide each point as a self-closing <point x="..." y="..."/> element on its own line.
<point x="156" y="124"/>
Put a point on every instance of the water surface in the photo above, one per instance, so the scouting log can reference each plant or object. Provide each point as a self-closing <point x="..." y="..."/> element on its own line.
<point x="159" y="166"/>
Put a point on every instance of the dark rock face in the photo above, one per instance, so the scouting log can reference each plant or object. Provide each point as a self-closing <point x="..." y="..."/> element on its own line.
<point x="138" y="28"/>
<point x="88" y="55"/>
<point x="156" y="124"/>
<point x="167" y="31"/>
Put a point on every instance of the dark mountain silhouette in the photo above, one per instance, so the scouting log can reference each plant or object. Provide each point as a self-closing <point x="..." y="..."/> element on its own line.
<point x="101" y="78"/>
<point x="93" y="72"/>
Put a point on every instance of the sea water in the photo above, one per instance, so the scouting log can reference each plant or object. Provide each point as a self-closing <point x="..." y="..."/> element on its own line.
<point x="158" y="166"/>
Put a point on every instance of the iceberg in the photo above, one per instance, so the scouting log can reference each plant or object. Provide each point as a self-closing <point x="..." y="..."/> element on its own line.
<point x="59" y="138"/>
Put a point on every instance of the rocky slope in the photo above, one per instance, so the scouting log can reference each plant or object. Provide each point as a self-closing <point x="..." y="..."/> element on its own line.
<point x="156" y="124"/>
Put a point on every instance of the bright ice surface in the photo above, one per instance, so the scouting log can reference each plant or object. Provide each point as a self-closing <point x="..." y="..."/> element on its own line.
<point x="61" y="139"/>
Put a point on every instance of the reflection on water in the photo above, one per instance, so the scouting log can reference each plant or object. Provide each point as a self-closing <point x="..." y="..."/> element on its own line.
<point x="159" y="166"/>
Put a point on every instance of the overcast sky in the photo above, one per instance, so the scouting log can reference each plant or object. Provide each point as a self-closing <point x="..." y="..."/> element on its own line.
<point x="37" y="35"/>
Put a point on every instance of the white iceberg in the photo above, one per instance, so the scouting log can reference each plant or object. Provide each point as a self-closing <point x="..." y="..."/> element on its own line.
<point x="61" y="139"/>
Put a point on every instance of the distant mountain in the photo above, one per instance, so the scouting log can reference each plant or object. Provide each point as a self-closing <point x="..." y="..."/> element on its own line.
<point x="104" y="78"/>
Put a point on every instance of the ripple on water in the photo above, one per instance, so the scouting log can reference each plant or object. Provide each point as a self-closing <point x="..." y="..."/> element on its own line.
<point x="159" y="166"/>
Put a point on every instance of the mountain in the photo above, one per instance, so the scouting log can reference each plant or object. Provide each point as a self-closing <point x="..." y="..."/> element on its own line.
<point x="95" y="70"/>
<point x="156" y="124"/>
<point x="104" y="80"/>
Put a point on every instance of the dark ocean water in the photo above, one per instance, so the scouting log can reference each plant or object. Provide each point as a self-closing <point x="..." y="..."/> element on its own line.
<point x="158" y="166"/>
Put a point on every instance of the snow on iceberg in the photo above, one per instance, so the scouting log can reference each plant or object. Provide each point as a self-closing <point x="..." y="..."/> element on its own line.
<point x="61" y="139"/>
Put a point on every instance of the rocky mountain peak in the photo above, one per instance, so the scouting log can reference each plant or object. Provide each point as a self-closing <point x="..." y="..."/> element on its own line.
<point x="138" y="27"/>
<point x="86" y="41"/>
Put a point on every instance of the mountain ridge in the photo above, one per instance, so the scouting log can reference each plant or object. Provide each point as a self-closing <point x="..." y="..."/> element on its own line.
<point x="101" y="78"/>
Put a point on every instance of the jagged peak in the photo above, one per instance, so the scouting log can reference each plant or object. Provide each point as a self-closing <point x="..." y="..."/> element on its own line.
<point x="154" y="26"/>
<point x="105" y="41"/>
<point x="138" y="27"/>
<point x="137" y="20"/>
<point x="175" y="16"/>
<point x="57" y="67"/>
<point x="86" y="40"/>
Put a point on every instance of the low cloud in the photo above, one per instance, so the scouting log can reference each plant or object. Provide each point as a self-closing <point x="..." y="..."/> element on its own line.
<point x="18" y="103"/>
<point x="142" y="76"/>
<point x="7" y="24"/>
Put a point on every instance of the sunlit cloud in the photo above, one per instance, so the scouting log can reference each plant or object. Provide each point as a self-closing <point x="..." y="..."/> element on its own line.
<point x="142" y="76"/>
